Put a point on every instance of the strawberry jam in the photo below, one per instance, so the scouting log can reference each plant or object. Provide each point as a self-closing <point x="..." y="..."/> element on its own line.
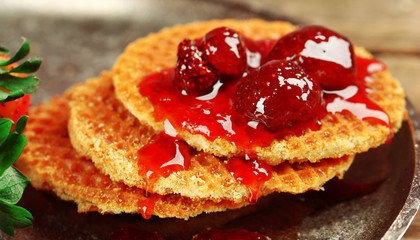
<point x="162" y="156"/>
<point x="251" y="173"/>
<point x="353" y="98"/>
<point x="251" y="110"/>
<point x="147" y="207"/>
<point x="286" y="88"/>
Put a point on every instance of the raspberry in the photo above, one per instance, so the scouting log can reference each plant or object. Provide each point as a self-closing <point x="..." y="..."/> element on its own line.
<point x="226" y="51"/>
<point x="324" y="54"/>
<point x="193" y="74"/>
<point x="279" y="94"/>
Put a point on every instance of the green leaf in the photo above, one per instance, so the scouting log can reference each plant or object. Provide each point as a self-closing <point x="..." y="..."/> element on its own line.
<point x="3" y="95"/>
<point x="20" y="124"/>
<point x="12" y="181"/>
<point x="12" y="83"/>
<point x="28" y="66"/>
<point x="13" y="87"/>
<point x="3" y="50"/>
<point x="10" y="150"/>
<point x="21" y="53"/>
<point x="13" y="216"/>
<point x="7" y="97"/>
<point x="12" y="185"/>
<point x="5" y="127"/>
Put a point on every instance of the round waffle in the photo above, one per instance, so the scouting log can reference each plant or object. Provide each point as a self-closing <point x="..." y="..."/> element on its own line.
<point x="339" y="135"/>
<point x="101" y="128"/>
<point x="51" y="164"/>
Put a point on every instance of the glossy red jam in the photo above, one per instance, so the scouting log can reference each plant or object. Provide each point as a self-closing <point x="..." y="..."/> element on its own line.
<point x="251" y="173"/>
<point x="147" y="207"/>
<point x="214" y="115"/>
<point x="162" y="156"/>
<point x="353" y="99"/>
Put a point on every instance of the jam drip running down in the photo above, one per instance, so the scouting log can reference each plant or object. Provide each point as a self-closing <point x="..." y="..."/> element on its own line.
<point x="147" y="206"/>
<point x="162" y="156"/>
<point x="251" y="173"/>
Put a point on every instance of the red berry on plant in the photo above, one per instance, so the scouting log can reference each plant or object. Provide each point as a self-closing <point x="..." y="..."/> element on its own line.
<point x="16" y="108"/>
<point x="193" y="74"/>
<point x="324" y="54"/>
<point x="279" y="94"/>
<point x="226" y="51"/>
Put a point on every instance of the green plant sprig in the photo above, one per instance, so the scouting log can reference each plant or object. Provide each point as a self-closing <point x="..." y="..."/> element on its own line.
<point x="16" y="86"/>
<point x="14" y="83"/>
<point x="12" y="181"/>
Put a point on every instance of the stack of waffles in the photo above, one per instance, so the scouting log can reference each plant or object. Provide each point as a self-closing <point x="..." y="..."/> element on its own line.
<point x="85" y="146"/>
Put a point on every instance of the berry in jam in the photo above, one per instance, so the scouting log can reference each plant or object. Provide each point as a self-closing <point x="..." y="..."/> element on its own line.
<point x="279" y="94"/>
<point x="324" y="54"/>
<point x="286" y="103"/>
<point x="225" y="51"/>
<point x="257" y="51"/>
<point x="193" y="74"/>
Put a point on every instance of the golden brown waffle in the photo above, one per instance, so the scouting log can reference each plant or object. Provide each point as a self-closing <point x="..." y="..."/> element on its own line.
<point x="340" y="135"/>
<point x="51" y="164"/>
<point x="102" y="129"/>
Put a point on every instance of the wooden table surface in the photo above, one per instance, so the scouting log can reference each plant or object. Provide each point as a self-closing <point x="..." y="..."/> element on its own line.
<point x="388" y="29"/>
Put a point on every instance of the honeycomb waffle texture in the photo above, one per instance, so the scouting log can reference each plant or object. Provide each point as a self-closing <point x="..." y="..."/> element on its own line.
<point x="51" y="164"/>
<point x="101" y="129"/>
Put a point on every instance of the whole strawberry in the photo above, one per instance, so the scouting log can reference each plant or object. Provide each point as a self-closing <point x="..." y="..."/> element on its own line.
<point x="16" y="108"/>
<point x="279" y="94"/>
<point x="226" y="51"/>
<point x="324" y="54"/>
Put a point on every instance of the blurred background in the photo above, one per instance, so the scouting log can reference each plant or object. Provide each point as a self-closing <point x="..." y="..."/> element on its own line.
<point x="77" y="39"/>
<point x="67" y="34"/>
